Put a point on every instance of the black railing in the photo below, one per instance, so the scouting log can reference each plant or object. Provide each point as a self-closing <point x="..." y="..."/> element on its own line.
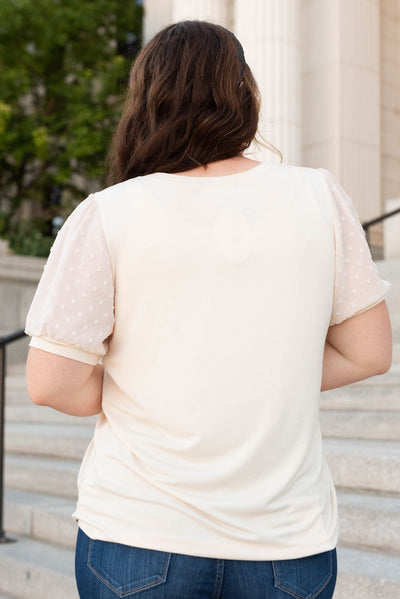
<point x="4" y="341"/>
<point x="377" y="220"/>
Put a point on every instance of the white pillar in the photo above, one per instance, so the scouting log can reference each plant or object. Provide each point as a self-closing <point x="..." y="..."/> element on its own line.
<point x="157" y="14"/>
<point x="215" y="11"/>
<point x="341" y="96"/>
<point x="270" y="33"/>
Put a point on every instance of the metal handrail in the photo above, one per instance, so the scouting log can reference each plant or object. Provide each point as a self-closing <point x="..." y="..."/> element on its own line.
<point x="4" y="341"/>
<point x="377" y="220"/>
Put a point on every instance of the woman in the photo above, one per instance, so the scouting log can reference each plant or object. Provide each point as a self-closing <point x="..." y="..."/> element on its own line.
<point x="222" y="295"/>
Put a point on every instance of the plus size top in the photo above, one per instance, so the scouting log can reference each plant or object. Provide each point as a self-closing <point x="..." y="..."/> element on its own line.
<point x="208" y="300"/>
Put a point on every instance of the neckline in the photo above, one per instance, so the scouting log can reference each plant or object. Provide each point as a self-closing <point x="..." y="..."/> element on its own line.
<point x="175" y="177"/>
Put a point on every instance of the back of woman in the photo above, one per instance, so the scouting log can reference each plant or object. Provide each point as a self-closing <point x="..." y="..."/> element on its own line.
<point x="209" y="293"/>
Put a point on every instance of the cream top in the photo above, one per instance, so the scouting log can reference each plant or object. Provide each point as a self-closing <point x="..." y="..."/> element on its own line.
<point x="208" y="300"/>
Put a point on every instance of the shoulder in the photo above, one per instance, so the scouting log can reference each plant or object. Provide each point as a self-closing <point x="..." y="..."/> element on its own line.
<point x="119" y="191"/>
<point x="292" y="171"/>
<point x="318" y="179"/>
<point x="304" y="181"/>
<point x="308" y="187"/>
<point x="132" y="195"/>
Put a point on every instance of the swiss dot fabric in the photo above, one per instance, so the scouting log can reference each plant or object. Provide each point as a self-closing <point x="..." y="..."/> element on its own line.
<point x="358" y="285"/>
<point x="74" y="302"/>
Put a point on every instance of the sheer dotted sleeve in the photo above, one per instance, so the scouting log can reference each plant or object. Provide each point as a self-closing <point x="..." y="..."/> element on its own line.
<point x="72" y="312"/>
<point x="358" y="286"/>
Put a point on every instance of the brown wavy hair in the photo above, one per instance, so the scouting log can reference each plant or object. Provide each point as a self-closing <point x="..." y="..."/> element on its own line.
<point x="191" y="100"/>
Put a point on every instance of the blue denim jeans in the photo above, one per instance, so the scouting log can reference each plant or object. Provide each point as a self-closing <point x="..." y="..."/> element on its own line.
<point x="109" y="570"/>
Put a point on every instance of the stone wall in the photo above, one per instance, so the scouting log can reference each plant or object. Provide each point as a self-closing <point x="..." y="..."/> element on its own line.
<point x="19" y="276"/>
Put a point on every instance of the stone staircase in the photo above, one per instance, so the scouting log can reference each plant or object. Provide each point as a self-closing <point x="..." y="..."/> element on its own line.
<point x="361" y="427"/>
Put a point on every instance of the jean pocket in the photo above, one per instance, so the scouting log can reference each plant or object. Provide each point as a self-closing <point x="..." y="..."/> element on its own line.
<point x="306" y="577"/>
<point x="127" y="570"/>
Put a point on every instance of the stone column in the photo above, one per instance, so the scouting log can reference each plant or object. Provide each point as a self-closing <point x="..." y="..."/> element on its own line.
<point x="157" y="14"/>
<point x="390" y="123"/>
<point x="270" y="33"/>
<point x="204" y="10"/>
<point x="341" y="96"/>
<point x="390" y="99"/>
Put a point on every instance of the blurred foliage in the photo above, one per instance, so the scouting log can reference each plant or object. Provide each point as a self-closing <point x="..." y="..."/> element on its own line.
<point x="28" y="237"/>
<point x="63" y="70"/>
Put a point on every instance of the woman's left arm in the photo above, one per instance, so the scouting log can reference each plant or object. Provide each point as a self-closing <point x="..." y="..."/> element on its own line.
<point x="71" y="317"/>
<point x="66" y="385"/>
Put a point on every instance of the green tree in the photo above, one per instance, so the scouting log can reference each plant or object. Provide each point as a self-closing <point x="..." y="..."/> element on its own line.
<point x="63" y="70"/>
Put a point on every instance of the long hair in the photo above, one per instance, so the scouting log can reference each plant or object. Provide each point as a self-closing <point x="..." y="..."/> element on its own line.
<point x="192" y="100"/>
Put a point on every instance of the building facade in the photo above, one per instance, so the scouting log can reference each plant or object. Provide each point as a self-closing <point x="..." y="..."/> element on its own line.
<point x="329" y="76"/>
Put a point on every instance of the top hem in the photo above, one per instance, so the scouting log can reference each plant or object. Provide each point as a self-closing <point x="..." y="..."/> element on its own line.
<point x="63" y="350"/>
<point x="182" y="547"/>
<point x="381" y="298"/>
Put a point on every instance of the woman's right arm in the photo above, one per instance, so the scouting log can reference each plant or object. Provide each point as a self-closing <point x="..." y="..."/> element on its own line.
<point x="359" y="339"/>
<point x="357" y="348"/>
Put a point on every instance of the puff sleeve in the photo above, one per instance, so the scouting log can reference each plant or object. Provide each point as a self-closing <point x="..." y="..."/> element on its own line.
<point x="358" y="286"/>
<point x="72" y="312"/>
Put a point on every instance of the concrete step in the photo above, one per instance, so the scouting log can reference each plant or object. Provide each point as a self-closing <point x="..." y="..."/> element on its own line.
<point x="370" y="521"/>
<point x="396" y="352"/>
<point x="41" y="475"/>
<point x="16" y="368"/>
<point x="34" y="570"/>
<point x="364" y="465"/>
<point x="367" y="575"/>
<point x="2" y="596"/>
<point x="51" y="440"/>
<point x="41" y="517"/>
<point x="18" y="397"/>
<point x="360" y="425"/>
<point x="34" y="414"/>
<point x="392" y="377"/>
<point x="16" y="393"/>
<point x="376" y="398"/>
<point x="16" y="379"/>
<point x="16" y="375"/>
<point x="395" y="367"/>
